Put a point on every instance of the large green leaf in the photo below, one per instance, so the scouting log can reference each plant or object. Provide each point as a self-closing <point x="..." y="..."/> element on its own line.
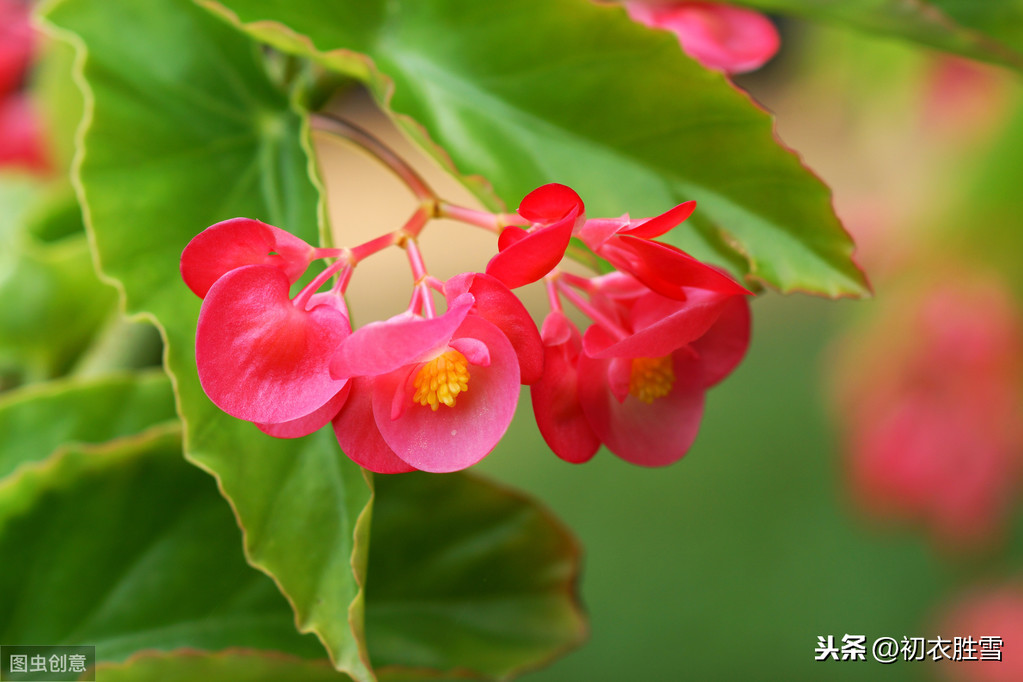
<point x="36" y="420"/>
<point x="984" y="29"/>
<point x="127" y="547"/>
<point x="183" y="129"/>
<point x="52" y="301"/>
<point x="484" y="582"/>
<point x="541" y="91"/>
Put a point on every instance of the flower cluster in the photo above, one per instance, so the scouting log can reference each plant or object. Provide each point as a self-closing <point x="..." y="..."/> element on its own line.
<point x="21" y="140"/>
<point x="435" y="390"/>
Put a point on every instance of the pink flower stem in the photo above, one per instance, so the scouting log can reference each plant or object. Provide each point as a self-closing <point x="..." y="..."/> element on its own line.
<point x="579" y="282"/>
<point x="377" y="149"/>
<point x="550" y="281"/>
<point x="416" y="222"/>
<point x="435" y="284"/>
<point x="341" y="286"/>
<point x="591" y="312"/>
<point x="324" y="252"/>
<point x="303" y="297"/>
<point x="421" y="277"/>
<point x="494" y="222"/>
<point x="415" y="259"/>
<point x="367" y="249"/>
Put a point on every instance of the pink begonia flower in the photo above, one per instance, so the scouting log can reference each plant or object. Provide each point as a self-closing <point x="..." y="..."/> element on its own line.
<point x="17" y="41"/>
<point x="628" y="245"/>
<point x="640" y="386"/>
<point x="237" y="242"/>
<point x="442" y="390"/>
<point x="264" y="358"/>
<point x="22" y="143"/>
<point x="526" y="255"/>
<point x="719" y="36"/>
<point x="993" y="617"/>
<point x="930" y="399"/>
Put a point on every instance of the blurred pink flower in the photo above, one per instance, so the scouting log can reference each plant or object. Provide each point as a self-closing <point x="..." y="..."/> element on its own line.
<point x="719" y="36"/>
<point x="22" y="143"/>
<point x="17" y="41"/>
<point x="930" y="401"/>
<point x="994" y="612"/>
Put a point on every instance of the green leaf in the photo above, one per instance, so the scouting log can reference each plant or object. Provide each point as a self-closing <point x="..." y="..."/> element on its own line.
<point x="183" y="129"/>
<point x="485" y="582"/>
<point x="235" y="666"/>
<point x="991" y="30"/>
<point x="38" y="419"/>
<point x="566" y="91"/>
<point x="127" y="547"/>
<point x="53" y="301"/>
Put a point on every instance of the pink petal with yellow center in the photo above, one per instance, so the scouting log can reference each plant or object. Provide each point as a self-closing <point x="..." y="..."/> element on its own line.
<point x="382" y="347"/>
<point x="648" y="434"/>
<point x="233" y="243"/>
<point x="358" y="435"/>
<point x="453" y="438"/>
<point x="259" y="357"/>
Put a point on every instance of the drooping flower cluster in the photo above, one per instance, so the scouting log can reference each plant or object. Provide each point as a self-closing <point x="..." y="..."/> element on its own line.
<point x="21" y="140"/>
<point x="436" y="390"/>
<point x="719" y="36"/>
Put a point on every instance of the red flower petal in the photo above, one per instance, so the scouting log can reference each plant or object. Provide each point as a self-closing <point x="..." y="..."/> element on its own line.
<point x="555" y="211"/>
<point x="721" y="349"/>
<point x="358" y="435"/>
<point x="496" y="304"/>
<point x="555" y="397"/>
<point x="382" y="347"/>
<point x="664" y="268"/>
<point x="550" y="203"/>
<point x="303" y="426"/>
<point x="661" y="325"/>
<point x="648" y="434"/>
<point x="655" y="227"/>
<point x="533" y="256"/>
<point x="233" y="243"/>
<point x="259" y="357"/>
<point x="453" y="438"/>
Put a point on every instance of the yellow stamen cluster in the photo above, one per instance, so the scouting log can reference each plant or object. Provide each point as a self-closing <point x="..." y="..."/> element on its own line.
<point x="651" y="378"/>
<point x="441" y="380"/>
